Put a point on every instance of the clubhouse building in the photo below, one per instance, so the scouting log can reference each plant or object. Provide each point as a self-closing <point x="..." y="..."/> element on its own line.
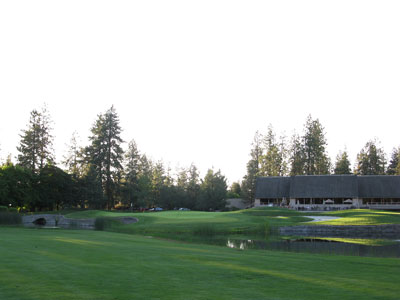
<point x="329" y="192"/>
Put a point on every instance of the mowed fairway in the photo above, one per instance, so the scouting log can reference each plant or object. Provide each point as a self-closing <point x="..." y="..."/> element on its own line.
<point x="79" y="264"/>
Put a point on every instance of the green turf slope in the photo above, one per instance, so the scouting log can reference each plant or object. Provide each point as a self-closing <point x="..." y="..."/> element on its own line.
<point x="80" y="264"/>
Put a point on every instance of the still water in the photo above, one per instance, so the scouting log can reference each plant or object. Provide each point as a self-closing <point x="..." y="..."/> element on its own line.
<point x="375" y="248"/>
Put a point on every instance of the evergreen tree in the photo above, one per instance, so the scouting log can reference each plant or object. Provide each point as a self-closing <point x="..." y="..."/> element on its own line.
<point x="74" y="159"/>
<point x="158" y="180"/>
<point x="16" y="186"/>
<point x="92" y="189"/>
<point x="132" y="170"/>
<point x="342" y="165"/>
<point x="394" y="164"/>
<point x="144" y="196"/>
<point x="213" y="191"/>
<point x="253" y="169"/>
<point x="192" y="187"/>
<point x="36" y="142"/>
<point x="297" y="157"/>
<point x="316" y="161"/>
<point x="235" y="191"/>
<point x="106" y="154"/>
<point x="272" y="161"/>
<point x="55" y="189"/>
<point x="371" y="160"/>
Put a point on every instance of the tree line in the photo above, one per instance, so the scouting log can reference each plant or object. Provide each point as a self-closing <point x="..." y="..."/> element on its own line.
<point x="306" y="154"/>
<point x="101" y="175"/>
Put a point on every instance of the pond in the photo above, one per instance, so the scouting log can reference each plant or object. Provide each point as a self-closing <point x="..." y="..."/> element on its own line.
<point x="339" y="246"/>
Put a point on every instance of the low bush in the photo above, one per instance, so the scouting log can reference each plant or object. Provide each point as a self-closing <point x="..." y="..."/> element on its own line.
<point x="10" y="218"/>
<point x="13" y="210"/>
<point x="3" y="208"/>
<point x="102" y="223"/>
<point x="205" y="230"/>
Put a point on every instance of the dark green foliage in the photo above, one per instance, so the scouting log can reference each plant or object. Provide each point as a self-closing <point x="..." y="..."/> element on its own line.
<point x="105" y="154"/>
<point x="10" y="218"/>
<point x="204" y="230"/>
<point x="51" y="189"/>
<point x="3" y="208"/>
<point x="235" y="191"/>
<point x="130" y="186"/>
<point x="187" y="187"/>
<point x="342" y="165"/>
<point x="36" y="142"/>
<point x="316" y="161"/>
<point x="235" y="188"/>
<point x="371" y="160"/>
<point x="55" y="189"/>
<point x="213" y="190"/>
<point x="74" y="160"/>
<point x="394" y="164"/>
<point x="253" y="169"/>
<point x="18" y="186"/>
<point x="272" y="161"/>
<point x="297" y="156"/>
<point x="103" y="223"/>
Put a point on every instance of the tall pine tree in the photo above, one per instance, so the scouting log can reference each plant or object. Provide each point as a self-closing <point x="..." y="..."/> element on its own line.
<point x="371" y="160"/>
<point x="316" y="160"/>
<point x="253" y="169"/>
<point x="394" y="164"/>
<point x="73" y="160"/>
<point x="272" y="162"/>
<point x="132" y="169"/>
<point x="105" y="153"/>
<point x="342" y="165"/>
<point x="296" y="156"/>
<point x="36" y="143"/>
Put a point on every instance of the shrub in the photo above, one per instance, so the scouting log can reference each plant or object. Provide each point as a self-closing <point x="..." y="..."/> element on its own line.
<point x="13" y="210"/>
<point x="206" y="230"/>
<point x="7" y="218"/>
<point x="102" y="223"/>
<point x="3" y="208"/>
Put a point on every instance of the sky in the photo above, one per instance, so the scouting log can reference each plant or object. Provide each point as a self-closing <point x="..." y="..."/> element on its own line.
<point x="192" y="81"/>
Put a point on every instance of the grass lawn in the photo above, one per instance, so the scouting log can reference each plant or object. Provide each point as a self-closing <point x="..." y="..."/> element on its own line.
<point x="185" y="224"/>
<point x="82" y="264"/>
<point x="250" y="223"/>
<point x="362" y="217"/>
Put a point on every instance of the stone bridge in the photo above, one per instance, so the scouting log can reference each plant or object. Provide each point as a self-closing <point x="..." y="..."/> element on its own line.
<point x="54" y="220"/>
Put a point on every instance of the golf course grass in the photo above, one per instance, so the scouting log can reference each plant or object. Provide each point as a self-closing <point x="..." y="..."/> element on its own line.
<point x="248" y="223"/>
<point x="82" y="264"/>
<point x="189" y="224"/>
<point x="362" y="217"/>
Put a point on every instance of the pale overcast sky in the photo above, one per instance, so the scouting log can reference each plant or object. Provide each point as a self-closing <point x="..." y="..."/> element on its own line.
<point x="193" y="80"/>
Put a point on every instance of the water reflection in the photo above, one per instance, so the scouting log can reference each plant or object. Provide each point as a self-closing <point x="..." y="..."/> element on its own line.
<point x="318" y="246"/>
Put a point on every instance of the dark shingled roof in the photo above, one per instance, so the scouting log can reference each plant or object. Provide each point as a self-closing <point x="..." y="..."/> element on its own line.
<point x="375" y="186"/>
<point x="272" y="187"/>
<point x="324" y="186"/>
<point x="328" y="186"/>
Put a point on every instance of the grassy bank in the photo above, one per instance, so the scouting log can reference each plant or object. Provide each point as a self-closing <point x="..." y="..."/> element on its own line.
<point x="251" y="222"/>
<point x="190" y="224"/>
<point x="61" y="264"/>
<point x="362" y="217"/>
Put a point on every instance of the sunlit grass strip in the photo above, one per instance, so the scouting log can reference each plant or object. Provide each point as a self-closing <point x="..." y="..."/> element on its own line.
<point x="369" y="242"/>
